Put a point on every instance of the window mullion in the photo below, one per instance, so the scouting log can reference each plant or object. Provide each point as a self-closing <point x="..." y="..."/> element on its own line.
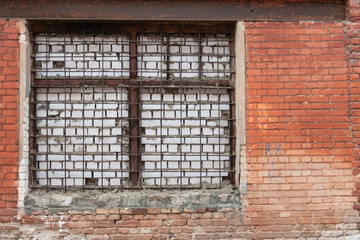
<point x="134" y="110"/>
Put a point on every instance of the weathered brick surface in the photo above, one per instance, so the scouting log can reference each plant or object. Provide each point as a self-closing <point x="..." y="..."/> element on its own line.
<point x="302" y="134"/>
<point x="353" y="10"/>
<point x="300" y="153"/>
<point x="9" y="75"/>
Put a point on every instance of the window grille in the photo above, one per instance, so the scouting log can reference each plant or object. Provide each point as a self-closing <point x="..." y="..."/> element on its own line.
<point x="132" y="106"/>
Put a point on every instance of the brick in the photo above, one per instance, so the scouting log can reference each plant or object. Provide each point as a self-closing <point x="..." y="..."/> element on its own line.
<point x="127" y="224"/>
<point x="150" y="223"/>
<point x="179" y="222"/>
<point x="103" y="224"/>
<point x="8" y="212"/>
<point x="81" y="224"/>
<point x="114" y="217"/>
<point x="139" y="211"/>
<point x="101" y="217"/>
<point x="119" y="237"/>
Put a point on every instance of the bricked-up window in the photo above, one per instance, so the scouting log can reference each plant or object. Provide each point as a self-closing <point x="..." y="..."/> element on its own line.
<point x="132" y="106"/>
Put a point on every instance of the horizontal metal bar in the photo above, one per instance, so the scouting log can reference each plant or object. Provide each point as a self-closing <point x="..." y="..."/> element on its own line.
<point x="222" y="154"/>
<point x="126" y="42"/>
<point x="145" y="103"/>
<point x="126" y="187"/>
<point x="52" y="57"/>
<point x="146" y="136"/>
<point x="146" y="86"/>
<point x="174" y="103"/>
<point x="208" y="10"/>
<point x="117" y="171"/>
<point x="145" y="83"/>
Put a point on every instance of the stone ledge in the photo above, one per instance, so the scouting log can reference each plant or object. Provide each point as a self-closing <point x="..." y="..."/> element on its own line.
<point x="55" y="201"/>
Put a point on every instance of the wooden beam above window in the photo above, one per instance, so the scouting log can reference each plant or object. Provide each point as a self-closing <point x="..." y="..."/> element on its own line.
<point x="161" y="10"/>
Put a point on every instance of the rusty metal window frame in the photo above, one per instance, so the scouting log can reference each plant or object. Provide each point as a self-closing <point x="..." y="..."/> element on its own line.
<point x="134" y="85"/>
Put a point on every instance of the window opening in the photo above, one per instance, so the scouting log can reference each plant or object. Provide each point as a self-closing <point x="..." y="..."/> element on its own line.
<point x="132" y="106"/>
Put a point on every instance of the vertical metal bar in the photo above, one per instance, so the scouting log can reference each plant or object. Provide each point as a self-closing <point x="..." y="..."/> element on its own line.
<point x="65" y="92"/>
<point x="140" y="103"/>
<point x="33" y="128"/>
<point x="83" y="111"/>
<point x="33" y="145"/>
<point x="161" y="113"/>
<point x="167" y="57"/>
<point x="200" y="100"/>
<point x="47" y="49"/>
<point x="133" y="59"/>
<point x="232" y="112"/>
<point x="219" y="97"/>
<point x="181" y="103"/>
<point x="133" y="113"/>
<point x="121" y="108"/>
<point x="102" y="106"/>
<point x="199" y="55"/>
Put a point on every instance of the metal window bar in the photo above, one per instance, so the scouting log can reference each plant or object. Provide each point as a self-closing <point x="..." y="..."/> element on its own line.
<point x="83" y="111"/>
<point x="47" y="118"/>
<point x="162" y="112"/>
<point x="232" y="110"/>
<point x="102" y="107"/>
<point x="33" y="163"/>
<point x="219" y="98"/>
<point x="141" y="86"/>
<point x="200" y="109"/>
<point x="65" y="109"/>
<point x="121" y="115"/>
<point x="181" y="111"/>
<point x="195" y="160"/>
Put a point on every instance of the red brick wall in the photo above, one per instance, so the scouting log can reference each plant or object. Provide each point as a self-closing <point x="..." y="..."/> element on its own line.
<point x="297" y="103"/>
<point x="301" y="146"/>
<point x="9" y="77"/>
